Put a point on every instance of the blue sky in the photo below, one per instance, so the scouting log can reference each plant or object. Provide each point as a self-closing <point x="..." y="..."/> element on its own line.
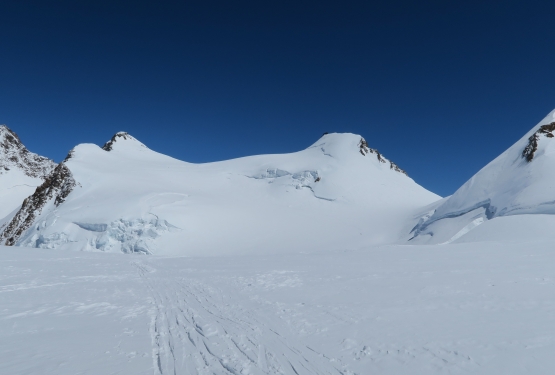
<point x="441" y="88"/>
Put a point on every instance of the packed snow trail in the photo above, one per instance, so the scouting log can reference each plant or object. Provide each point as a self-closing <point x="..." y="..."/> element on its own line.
<point x="196" y="329"/>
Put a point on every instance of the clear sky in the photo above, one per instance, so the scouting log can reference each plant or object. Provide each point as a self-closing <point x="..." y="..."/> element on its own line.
<point x="439" y="87"/>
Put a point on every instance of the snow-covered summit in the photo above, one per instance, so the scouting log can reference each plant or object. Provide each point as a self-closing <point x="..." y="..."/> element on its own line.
<point x="519" y="181"/>
<point x="348" y="143"/>
<point x="13" y="154"/>
<point x="122" y="141"/>
<point x="126" y="197"/>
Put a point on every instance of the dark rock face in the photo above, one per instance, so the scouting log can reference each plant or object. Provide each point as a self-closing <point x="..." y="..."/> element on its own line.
<point x="396" y="168"/>
<point x="57" y="186"/>
<point x="532" y="146"/>
<point x="110" y="144"/>
<point x="365" y="150"/>
<point x="69" y="155"/>
<point x="13" y="154"/>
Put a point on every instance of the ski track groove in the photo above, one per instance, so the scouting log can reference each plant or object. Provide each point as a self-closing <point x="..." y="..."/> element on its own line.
<point x="195" y="331"/>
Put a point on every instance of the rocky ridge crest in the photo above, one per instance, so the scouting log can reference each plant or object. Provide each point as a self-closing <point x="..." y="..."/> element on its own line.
<point x="365" y="150"/>
<point x="56" y="186"/>
<point x="530" y="149"/>
<point x="13" y="154"/>
<point x="109" y="146"/>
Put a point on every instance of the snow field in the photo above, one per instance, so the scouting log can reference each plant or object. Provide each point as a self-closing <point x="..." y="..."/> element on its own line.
<point x="480" y="308"/>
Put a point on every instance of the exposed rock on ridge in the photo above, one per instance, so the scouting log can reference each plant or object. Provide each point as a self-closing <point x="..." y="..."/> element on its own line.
<point x="396" y="168"/>
<point x="56" y="187"/>
<point x="532" y="147"/>
<point x="13" y="154"/>
<point x="365" y="150"/>
<point x="108" y="146"/>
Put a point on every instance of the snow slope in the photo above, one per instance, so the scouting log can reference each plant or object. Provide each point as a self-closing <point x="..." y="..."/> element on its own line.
<point x="126" y="197"/>
<point x="21" y="171"/>
<point x="520" y="181"/>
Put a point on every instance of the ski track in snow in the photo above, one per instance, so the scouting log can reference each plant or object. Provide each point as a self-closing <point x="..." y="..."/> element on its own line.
<point x="195" y="329"/>
<point x="485" y="309"/>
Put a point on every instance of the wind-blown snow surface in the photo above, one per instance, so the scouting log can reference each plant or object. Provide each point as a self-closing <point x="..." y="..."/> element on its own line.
<point x="483" y="308"/>
<point x="512" y="184"/>
<point x="132" y="199"/>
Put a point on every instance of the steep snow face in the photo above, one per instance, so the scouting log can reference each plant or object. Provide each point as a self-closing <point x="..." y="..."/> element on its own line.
<point x="129" y="198"/>
<point x="21" y="171"/>
<point x="519" y="181"/>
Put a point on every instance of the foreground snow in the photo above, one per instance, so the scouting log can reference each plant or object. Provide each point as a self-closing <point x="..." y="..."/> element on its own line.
<point x="481" y="307"/>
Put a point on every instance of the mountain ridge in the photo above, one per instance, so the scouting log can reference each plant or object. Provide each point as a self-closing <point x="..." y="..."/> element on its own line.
<point x="139" y="197"/>
<point x="13" y="154"/>
<point x="517" y="182"/>
<point x="142" y="197"/>
<point x="21" y="171"/>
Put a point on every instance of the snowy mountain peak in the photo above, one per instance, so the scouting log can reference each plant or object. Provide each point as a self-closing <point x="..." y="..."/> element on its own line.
<point x="122" y="140"/>
<point x="126" y="197"/>
<point x="336" y="144"/>
<point x="520" y="181"/>
<point x="13" y="154"/>
<point x="5" y="130"/>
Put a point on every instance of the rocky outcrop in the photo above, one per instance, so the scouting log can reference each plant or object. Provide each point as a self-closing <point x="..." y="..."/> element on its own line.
<point x="396" y="168"/>
<point x="56" y="187"/>
<point x="69" y="155"/>
<point x="532" y="146"/>
<point x="13" y="154"/>
<point x="108" y="146"/>
<point x="365" y="150"/>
